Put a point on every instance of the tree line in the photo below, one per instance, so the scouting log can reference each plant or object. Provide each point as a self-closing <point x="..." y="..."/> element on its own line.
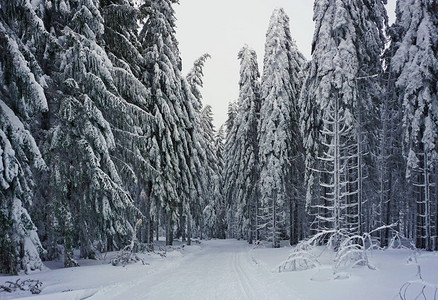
<point x="344" y="143"/>
<point x="100" y="128"/>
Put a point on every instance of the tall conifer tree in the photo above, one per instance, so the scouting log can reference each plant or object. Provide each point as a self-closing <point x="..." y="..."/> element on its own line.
<point x="415" y="64"/>
<point x="243" y="153"/>
<point x="23" y="41"/>
<point x="171" y="105"/>
<point x="340" y="87"/>
<point x="91" y="208"/>
<point x="279" y="137"/>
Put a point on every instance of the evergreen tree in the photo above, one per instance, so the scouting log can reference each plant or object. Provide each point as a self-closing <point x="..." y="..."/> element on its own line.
<point x="172" y="136"/>
<point x="22" y="104"/>
<point x="90" y="206"/>
<point x="392" y="191"/>
<point x="340" y="90"/>
<point x="212" y="196"/>
<point x="100" y="114"/>
<point x="415" y="66"/>
<point x="20" y="247"/>
<point x="121" y="37"/>
<point x="203" y="162"/>
<point x="195" y="81"/>
<point x="220" y="204"/>
<point x="279" y="137"/>
<point x="131" y="131"/>
<point x="243" y="156"/>
<point x="230" y="173"/>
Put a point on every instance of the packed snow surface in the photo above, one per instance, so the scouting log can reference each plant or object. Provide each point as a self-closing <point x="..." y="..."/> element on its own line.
<point x="231" y="270"/>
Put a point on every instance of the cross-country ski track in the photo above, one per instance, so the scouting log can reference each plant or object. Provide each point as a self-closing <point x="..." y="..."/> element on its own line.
<point x="221" y="270"/>
<point x="228" y="270"/>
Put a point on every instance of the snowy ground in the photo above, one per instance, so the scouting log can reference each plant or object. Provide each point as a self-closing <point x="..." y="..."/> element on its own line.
<point x="231" y="270"/>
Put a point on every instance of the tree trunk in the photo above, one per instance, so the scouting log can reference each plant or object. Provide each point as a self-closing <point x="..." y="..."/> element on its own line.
<point x="291" y="223"/>
<point x="183" y="228"/>
<point x="148" y="231"/>
<point x="251" y="218"/>
<point x="296" y="220"/>
<point x="157" y="232"/>
<point x="275" y="240"/>
<point x="170" y="231"/>
<point x="420" y="213"/>
<point x="256" y="218"/>
<point x="189" y="230"/>
<point x="436" y="221"/>
<point x="201" y="227"/>
<point x="180" y="228"/>
<point x="427" y="206"/>
<point x="85" y="248"/>
<point x="151" y="231"/>
<point x="149" y="236"/>
<point x="251" y="224"/>
<point x="388" y="213"/>
<point x="423" y="205"/>
<point x="436" y="210"/>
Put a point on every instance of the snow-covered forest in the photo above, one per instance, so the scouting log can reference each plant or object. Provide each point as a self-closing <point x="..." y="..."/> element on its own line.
<point x="107" y="147"/>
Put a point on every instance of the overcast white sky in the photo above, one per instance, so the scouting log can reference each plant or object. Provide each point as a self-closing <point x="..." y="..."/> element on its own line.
<point x="222" y="27"/>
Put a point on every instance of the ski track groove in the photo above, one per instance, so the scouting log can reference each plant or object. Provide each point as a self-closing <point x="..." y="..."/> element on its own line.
<point x="244" y="280"/>
<point x="218" y="271"/>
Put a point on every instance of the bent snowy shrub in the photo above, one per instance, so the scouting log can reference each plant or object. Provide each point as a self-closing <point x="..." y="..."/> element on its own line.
<point x="298" y="261"/>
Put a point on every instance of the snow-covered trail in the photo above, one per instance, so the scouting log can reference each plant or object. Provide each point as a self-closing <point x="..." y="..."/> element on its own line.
<point x="230" y="270"/>
<point x="221" y="270"/>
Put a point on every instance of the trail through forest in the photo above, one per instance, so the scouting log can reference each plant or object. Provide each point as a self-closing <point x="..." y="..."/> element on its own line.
<point x="221" y="270"/>
<point x="231" y="269"/>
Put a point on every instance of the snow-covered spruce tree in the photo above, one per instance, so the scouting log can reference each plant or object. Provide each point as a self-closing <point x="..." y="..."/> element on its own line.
<point x="131" y="132"/>
<point x="229" y="173"/>
<point x="220" y="204"/>
<point x="20" y="247"/>
<point x="206" y="177"/>
<point x="242" y="157"/>
<point x="232" y="112"/>
<point x="121" y="21"/>
<point x="195" y="80"/>
<point x="20" y="158"/>
<point x="280" y="147"/>
<point x="90" y="207"/>
<point x="22" y="104"/>
<point x="346" y="49"/>
<point x="204" y="163"/>
<point x="336" y="133"/>
<point x="172" y="136"/>
<point x="212" y="194"/>
<point x="370" y="42"/>
<point x="415" y="64"/>
<point x="389" y="162"/>
<point x="310" y="128"/>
